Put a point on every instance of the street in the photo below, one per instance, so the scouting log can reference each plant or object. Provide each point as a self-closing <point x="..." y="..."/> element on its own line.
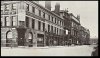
<point x="83" y="50"/>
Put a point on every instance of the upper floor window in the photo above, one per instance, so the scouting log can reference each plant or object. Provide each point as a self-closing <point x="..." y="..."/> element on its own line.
<point x="27" y="21"/>
<point x="43" y="15"/>
<point x="52" y="19"/>
<point x="14" y="20"/>
<point x="14" y="6"/>
<point x="39" y="25"/>
<point x="1" y="21"/>
<point x="33" y="9"/>
<point x="49" y="17"/>
<point x="7" y="21"/>
<point x="27" y="7"/>
<point x="51" y="28"/>
<point x="6" y="7"/>
<point x="43" y="26"/>
<point x="60" y="22"/>
<point x="48" y="28"/>
<point x="2" y="7"/>
<point x="55" y="29"/>
<point x="55" y="20"/>
<point x="33" y="23"/>
<point x="39" y="12"/>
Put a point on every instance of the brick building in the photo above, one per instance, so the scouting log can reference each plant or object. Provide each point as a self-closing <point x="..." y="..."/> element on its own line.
<point x="26" y="23"/>
<point x="84" y="35"/>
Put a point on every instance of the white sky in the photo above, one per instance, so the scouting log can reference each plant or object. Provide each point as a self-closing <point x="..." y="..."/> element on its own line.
<point x="88" y="11"/>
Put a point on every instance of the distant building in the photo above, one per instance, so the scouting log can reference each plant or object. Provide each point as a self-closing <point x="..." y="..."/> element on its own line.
<point x="84" y="35"/>
<point x="93" y="41"/>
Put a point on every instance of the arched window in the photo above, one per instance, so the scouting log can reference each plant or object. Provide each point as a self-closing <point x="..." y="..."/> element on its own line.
<point x="9" y="38"/>
<point x="9" y="34"/>
<point x="30" y="36"/>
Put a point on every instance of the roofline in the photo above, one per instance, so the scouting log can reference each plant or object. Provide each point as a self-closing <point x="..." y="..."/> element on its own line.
<point x="46" y="9"/>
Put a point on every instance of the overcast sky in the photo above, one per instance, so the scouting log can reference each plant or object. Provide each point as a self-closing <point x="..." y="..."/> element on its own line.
<point x="88" y="11"/>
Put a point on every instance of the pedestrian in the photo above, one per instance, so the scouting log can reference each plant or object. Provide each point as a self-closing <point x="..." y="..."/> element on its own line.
<point x="95" y="53"/>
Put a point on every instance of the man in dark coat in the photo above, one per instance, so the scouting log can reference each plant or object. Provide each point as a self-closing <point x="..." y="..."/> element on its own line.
<point x="95" y="53"/>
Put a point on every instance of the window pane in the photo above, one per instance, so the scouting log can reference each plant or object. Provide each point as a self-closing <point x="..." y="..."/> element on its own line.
<point x="9" y="35"/>
<point x="7" y="21"/>
<point x="27" y="7"/>
<point x="33" y="9"/>
<point x="27" y="22"/>
<point x="30" y="36"/>
<point x="39" y="12"/>
<point x="43" y="26"/>
<point x="6" y="7"/>
<point x="14" y="21"/>
<point x="33" y="23"/>
<point x="14" y="6"/>
<point x="39" y="25"/>
<point x="2" y="7"/>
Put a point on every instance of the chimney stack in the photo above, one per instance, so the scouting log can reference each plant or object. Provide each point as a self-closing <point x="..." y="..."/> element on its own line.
<point x="48" y="5"/>
<point x="57" y="8"/>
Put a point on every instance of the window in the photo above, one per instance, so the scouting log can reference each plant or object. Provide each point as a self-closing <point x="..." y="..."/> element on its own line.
<point x="51" y="28"/>
<point x="60" y="22"/>
<point x="30" y="36"/>
<point x="7" y="21"/>
<point x="2" y="9"/>
<point x="27" y="7"/>
<point x="39" y="25"/>
<point x="39" y="12"/>
<point x="55" y="29"/>
<point x="72" y="24"/>
<point x="27" y="21"/>
<point x="14" y="21"/>
<point x="6" y="7"/>
<point x="52" y="19"/>
<point x="55" y="20"/>
<point x="49" y="17"/>
<point x="9" y="37"/>
<point x="14" y="6"/>
<point x="1" y="21"/>
<point x="33" y="9"/>
<point x="48" y="28"/>
<point x="60" y="31"/>
<point x="43" y="15"/>
<point x="43" y="26"/>
<point x="33" y="23"/>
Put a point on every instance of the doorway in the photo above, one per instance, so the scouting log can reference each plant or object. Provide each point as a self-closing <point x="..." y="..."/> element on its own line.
<point x="21" y="37"/>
